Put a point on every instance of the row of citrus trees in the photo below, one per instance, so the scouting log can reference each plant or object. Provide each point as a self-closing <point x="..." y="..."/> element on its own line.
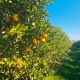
<point x="30" y="48"/>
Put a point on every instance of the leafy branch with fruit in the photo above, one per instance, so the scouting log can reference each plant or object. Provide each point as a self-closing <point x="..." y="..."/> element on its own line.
<point x="30" y="47"/>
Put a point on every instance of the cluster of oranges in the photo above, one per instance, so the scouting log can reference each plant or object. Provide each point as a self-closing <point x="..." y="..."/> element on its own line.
<point x="36" y="41"/>
<point x="44" y="36"/>
<point x="43" y="39"/>
<point x="14" y="18"/>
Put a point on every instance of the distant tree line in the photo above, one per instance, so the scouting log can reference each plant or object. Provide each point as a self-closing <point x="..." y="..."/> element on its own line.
<point x="76" y="46"/>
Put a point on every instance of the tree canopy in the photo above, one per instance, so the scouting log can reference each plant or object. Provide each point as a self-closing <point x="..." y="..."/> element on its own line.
<point x="29" y="46"/>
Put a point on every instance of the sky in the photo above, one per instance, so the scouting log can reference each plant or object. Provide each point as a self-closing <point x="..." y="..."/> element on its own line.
<point x="66" y="15"/>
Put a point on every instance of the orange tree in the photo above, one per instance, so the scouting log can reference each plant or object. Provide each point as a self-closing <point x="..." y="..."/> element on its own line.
<point x="59" y="46"/>
<point x="25" y="40"/>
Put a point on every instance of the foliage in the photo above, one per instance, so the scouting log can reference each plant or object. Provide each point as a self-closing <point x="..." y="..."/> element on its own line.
<point x="55" y="77"/>
<point x="59" y="45"/>
<point x="76" y="46"/>
<point x="70" y="69"/>
<point x="29" y="46"/>
<point x="23" y="11"/>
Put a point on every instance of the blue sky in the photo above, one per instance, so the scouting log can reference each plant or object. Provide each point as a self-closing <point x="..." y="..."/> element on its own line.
<point x="66" y="15"/>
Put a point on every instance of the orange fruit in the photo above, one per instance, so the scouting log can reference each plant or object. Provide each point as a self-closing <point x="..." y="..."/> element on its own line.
<point x="27" y="49"/>
<point x="15" y="17"/>
<point x="44" y="35"/>
<point x="35" y="41"/>
<point x="43" y="39"/>
<point x="7" y="20"/>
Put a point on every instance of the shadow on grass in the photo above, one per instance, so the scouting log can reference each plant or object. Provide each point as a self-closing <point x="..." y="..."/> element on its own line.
<point x="70" y="69"/>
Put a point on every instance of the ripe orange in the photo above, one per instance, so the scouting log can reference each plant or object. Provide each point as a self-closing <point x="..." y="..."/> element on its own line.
<point x="35" y="41"/>
<point x="27" y="49"/>
<point x="43" y="39"/>
<point x="7" y="20"/>
<point x="15" y="17"/>
<point x="44" y="35"/>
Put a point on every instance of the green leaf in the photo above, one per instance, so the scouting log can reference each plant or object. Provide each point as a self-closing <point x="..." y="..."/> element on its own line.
<point x="48" y="78"/>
